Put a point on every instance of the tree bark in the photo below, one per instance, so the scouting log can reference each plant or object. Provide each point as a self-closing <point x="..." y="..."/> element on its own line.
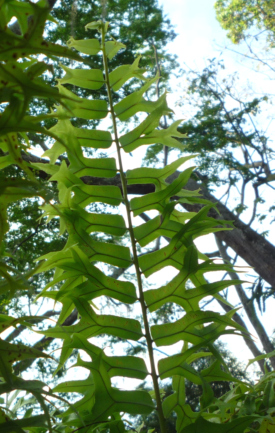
<point x="256" y="251"/>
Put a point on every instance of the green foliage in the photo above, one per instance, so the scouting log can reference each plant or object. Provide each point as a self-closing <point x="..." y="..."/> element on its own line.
<point x="239" y="16"/>
<point x="79" y="276"/>
<point x="200" y="361"/>
<point x="138" y="24"/>
<point x="233" y="152"/>
<point x="223" y="125"/>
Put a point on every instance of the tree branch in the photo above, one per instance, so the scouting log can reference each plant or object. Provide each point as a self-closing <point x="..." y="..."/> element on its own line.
<point x="14" y="334"/>
<point x="253" y="248"/>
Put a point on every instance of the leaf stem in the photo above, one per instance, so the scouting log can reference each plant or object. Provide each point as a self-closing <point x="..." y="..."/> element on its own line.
<point x="133" y="242"/>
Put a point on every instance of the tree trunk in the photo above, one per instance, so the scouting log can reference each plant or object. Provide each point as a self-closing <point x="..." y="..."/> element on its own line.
<point x="257" y="252"/>
<point x="248" y="306"/>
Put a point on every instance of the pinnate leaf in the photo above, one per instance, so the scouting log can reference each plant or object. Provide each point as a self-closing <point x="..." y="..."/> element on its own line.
<point x="33" y="422"/>
<point x="176" y="292"/>
<point x="82" y="137"/>
<point x="160" y="136"/>
<point x="236" y="426"/>
<point x="135" y="103"/>
<point x="92" y="325"/>
<point x="187" y="328"/>
<point x="86" y="78"/>
<point x="123" y="73"/>
<point x="128" y="366"/>
<point x="10" y="353"/>
<point x="112" y="48"/>
<point x="85" y="46"/>
<point x="130" y="140"/>
<point x="77" y="268"/>
<point x="109" y="400"/>
<point x="80" y="107"/>
<point x="176" y="402"/>
<point x="155" y="176"/>
<point x="158" y="200"/>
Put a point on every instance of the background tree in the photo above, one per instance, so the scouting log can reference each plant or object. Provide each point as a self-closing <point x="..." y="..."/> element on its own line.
<point x="82" y="250"/>
<point x="235" y="163"/>
<point x="250" y="25"/>
<point x="150" y="31"/>
<point x="213" y="122"/>
<point x="257" y="171"/>
<point x="247" y="18"/>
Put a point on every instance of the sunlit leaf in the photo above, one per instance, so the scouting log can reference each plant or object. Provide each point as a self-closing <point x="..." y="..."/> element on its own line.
<point x="123" y="73"/>
<point x="92" y="325"/>
<point x="187" y="328"/>
<point x="87" y="78"/>
<point x="86" y="46"/>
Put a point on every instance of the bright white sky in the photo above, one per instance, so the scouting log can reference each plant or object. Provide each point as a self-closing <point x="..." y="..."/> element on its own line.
<point x="196" y="26"/>
<point x="200" y="37"/>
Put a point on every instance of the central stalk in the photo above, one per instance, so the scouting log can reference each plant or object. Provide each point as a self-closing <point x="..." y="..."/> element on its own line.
<point x="133" y="244"/>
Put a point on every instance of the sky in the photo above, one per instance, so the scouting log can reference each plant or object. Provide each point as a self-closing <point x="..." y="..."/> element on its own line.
<point x="200" y="37"/>
<point x="196" y="26"/>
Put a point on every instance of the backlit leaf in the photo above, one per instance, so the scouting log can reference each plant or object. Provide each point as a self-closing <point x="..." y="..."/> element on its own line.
<point x="86" y="46"/>
<point x="86" y="78"/>
<point x="187" y="328"/>
<point x="112" y="48"/>
<point x="130" y="141"/>
<point x="80" y="107"/>
<point x="10" y="353"/>
<point x="127" y="366"/>
<point x="92" y="325"/>
<point x="123" y="73"/>
<point x="134" y="103"/>
<point x="109" y="400"/>
<point x="155" y="176"/>
<point x="157" y="200"/>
